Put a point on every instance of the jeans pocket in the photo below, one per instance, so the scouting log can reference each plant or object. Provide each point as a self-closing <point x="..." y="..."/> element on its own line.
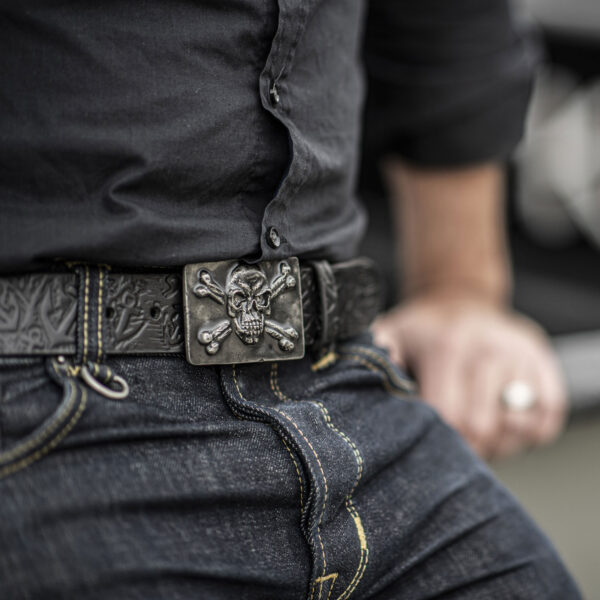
<point x="373" y="358"/>
<point x="37" y="412"/>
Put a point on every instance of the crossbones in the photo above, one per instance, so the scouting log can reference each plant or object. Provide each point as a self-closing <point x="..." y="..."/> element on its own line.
<point x="247" y="297"/>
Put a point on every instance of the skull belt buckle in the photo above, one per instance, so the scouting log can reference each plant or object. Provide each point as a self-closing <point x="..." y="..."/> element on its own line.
<point x="243" y="313"/>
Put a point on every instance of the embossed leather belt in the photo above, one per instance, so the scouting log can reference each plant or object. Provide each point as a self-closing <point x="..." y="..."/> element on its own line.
<point x="217" y="313"/>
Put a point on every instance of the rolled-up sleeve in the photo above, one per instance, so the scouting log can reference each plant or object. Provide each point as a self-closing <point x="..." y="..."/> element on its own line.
<point x="449" y="81"/>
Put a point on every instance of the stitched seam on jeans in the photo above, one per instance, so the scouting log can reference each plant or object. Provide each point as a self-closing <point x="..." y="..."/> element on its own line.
<point x="375" y="369"/>
<point x="275" y="384"/>
<point x="297" y="473"/>
<point x="26" y="446"/>
<point x="325" y="486"/>
<point x="275" y="387"/>
<point x="364" y="549"/>
<point x="277" y="391"/>
<point x="325" y="361"/>
<point x="239" y="391"/>
<point x="100" y="284"/>
<point x="333" y="576"/>
<point x="86" y="301"/>
<point x="403" y="385"/>
<point x="25" y="462"/>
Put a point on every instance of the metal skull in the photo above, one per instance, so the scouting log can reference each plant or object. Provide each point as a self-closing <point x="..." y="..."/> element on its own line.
<point x="248" y="301"/>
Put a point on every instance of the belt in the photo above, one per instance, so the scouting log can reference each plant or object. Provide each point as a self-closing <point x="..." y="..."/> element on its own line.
<point x="216" y="312"/>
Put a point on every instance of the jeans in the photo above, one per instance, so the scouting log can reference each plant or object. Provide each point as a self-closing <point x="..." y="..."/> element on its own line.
<point x="265" y="481"/>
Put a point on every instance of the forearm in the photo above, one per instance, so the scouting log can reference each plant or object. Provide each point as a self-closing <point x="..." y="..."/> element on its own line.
<point x="450" y="230"/>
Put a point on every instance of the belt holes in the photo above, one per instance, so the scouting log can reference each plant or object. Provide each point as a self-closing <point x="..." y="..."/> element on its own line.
<point x="155" y="312"/>
<point x="109" y="312"/>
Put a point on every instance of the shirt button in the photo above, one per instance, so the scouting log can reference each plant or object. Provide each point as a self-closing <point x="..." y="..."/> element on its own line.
<point x="273" y="238"/>
<point x="274" y="95"/>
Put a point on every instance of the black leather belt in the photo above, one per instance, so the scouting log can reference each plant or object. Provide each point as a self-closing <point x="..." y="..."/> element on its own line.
<point x="217" y="313"/>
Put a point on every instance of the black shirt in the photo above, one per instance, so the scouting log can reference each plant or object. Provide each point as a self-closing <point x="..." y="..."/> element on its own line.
<point x="158" y="133"/>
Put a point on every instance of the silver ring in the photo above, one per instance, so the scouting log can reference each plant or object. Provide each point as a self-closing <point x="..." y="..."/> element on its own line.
<point x="518" y="395"/>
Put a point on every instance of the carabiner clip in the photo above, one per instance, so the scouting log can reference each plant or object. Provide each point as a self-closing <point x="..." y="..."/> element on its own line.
<point x="103" y="389"/>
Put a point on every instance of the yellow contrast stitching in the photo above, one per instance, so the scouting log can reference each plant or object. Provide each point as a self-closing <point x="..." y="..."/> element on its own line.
<point x="324" y="361"/>
<point x="364" y="550"/>
<point x="10" y="454"/>
<point x="100" y="283"/>
<point x="277" y="391"/>
<point x="379" y="360"/>
<point x="321" y="580"/>
<point x="235" y="381"/>
<point x="275" y="384"/>
<point x="297" y="473"/>
<point x="375" y="369"/>
<point x="332" y="585"/>
<point x="73" y="371"/>
<point x="85" y="313"/>
<point x="25" y="462"/>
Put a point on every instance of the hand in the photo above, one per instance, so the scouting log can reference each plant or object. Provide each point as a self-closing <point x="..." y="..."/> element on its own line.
<point x="463" y="351"/>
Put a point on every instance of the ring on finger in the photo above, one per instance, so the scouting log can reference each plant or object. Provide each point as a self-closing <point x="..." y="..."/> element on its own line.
<point x="518" y="395"/>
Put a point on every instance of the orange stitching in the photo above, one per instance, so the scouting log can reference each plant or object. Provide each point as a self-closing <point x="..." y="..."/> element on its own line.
<point x="10" y="454"/>
<point x="25" y="462"/>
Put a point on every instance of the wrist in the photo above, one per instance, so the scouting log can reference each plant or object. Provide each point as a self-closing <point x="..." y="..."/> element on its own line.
<point x="490" y="288"/>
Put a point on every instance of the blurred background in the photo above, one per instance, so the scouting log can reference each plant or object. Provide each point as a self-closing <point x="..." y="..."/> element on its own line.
<point x="553" y="215"/>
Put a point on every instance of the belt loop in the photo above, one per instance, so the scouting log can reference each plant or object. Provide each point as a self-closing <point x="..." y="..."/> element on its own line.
<point x="328" y="303"/>
<point x="91" y="282"/>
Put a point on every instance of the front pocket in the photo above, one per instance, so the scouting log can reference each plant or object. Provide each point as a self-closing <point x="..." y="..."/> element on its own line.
<point x="19" y="410"/>
<point x="376" y="359"/>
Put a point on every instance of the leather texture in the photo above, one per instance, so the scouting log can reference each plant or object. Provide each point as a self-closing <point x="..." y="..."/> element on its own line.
<point x="141" y="313"/>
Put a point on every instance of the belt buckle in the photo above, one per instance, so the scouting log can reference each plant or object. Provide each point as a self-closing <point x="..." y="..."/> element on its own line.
<point x="235" y="312"/>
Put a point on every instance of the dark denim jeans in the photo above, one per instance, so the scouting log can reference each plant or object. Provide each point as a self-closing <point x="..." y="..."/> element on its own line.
<point x="252" y="482"/>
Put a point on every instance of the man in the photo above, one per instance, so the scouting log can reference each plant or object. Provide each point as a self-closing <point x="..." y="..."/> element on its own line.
<point x="290" y="459"/>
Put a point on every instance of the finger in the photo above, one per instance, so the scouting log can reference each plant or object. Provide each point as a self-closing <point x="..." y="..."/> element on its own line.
<point x="484" y="415"/>
<point x="386" y="336"/>
<point x="442" y="384"/>
<point x="519" y="426"/>
<point x="517" y="433"/>
<point x="552" y="402"/>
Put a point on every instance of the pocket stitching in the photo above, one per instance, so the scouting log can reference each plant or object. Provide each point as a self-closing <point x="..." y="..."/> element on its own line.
<point x="50" y="444"/>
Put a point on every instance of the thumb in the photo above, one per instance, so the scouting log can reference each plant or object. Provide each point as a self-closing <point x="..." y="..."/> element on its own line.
<point x="387" y="336"/>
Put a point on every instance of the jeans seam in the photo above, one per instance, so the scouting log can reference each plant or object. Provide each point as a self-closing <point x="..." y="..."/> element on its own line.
<point x="351" y="508"/>
<point x="326" y="491"/>
<point x="49" y="445"/>
<point x="99" y="324"/>
<point x="86" y="305"/>
<point x="279" y="394"/>
<point x="24" y="447"/>
<point x="320" y="580"/>
<point x="375" y="368"/>
<point x="253" y="416"/>
<point x="297" y="468"/>
<point x="392" y="376"/>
